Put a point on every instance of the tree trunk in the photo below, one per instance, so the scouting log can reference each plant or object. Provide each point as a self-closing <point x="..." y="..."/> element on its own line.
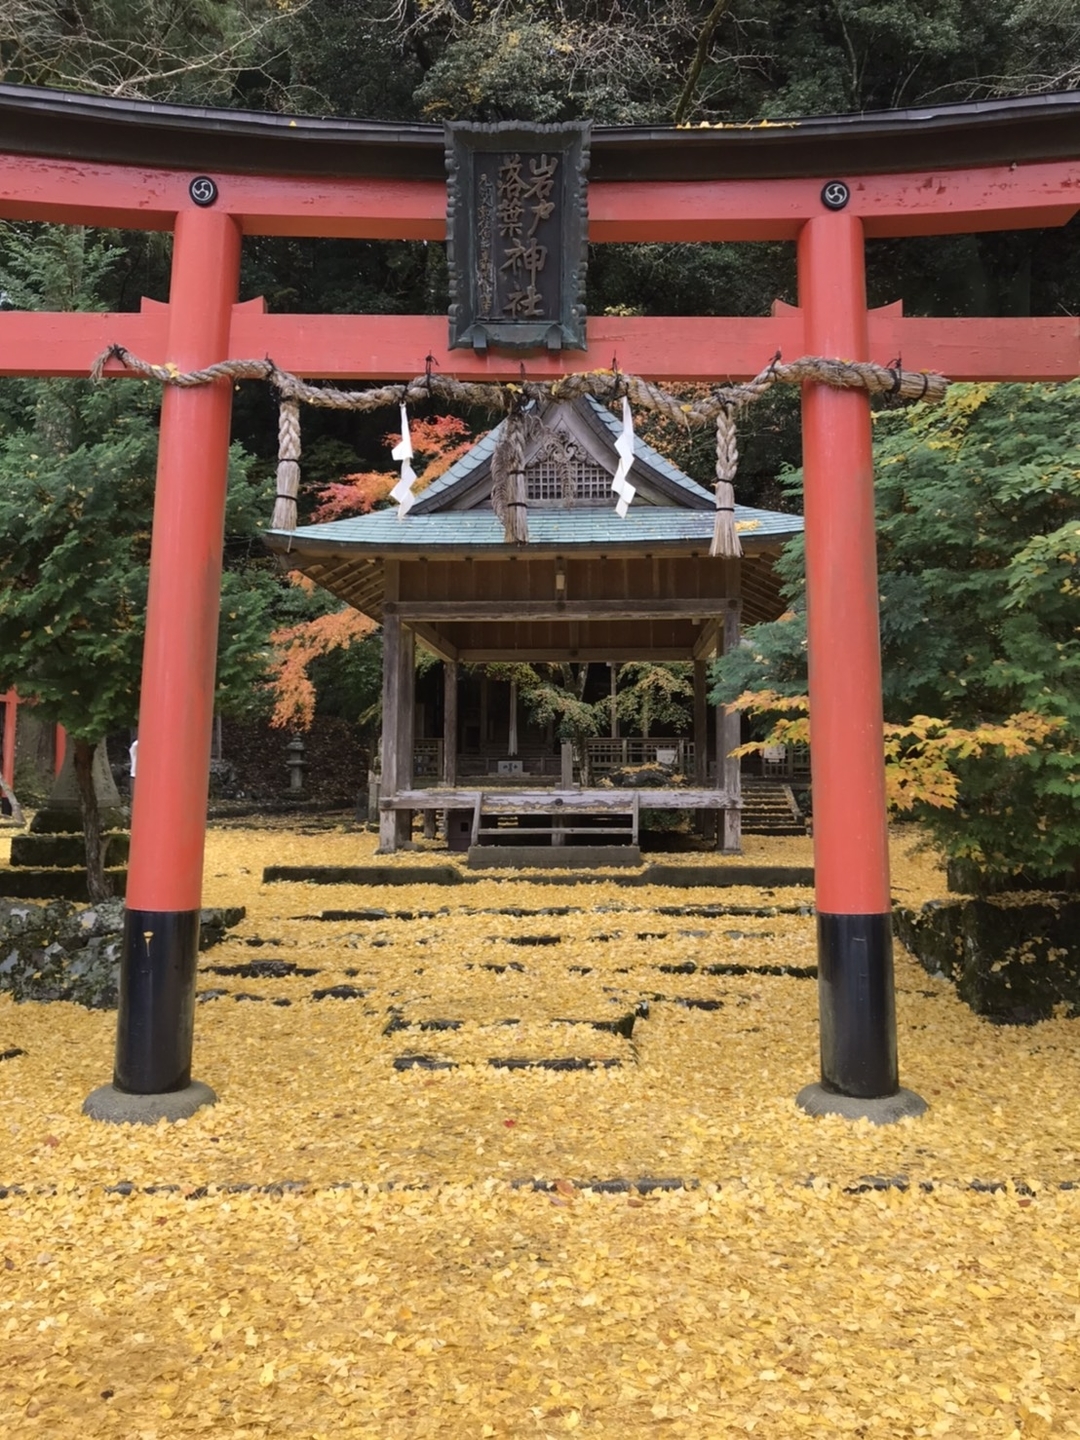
<point x="9" y="795"/>
<point x="97" y="884"/>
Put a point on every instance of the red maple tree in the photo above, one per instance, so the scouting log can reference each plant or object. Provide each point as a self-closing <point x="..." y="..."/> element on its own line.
<point x="296" y="646"/>
<point x="439" y="441"/>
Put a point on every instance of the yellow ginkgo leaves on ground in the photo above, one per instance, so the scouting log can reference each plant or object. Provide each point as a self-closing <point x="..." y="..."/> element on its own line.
<point x="433" y="1197"/>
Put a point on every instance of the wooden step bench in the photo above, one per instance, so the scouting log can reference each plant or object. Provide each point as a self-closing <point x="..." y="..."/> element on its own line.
<point x="561" y="807"/>
<point x="506" y="832"/>
<point x="553" y="857"/>
<point x="557" y="807"/>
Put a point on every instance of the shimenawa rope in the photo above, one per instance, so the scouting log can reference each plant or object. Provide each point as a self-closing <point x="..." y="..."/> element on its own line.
<point x="718" y="407"/>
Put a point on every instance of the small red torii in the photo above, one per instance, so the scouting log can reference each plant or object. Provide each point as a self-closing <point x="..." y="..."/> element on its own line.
<point x="827" y="184"/>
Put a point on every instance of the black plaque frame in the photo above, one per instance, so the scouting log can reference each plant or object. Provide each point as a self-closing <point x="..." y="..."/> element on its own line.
<point x="467" y="147"/>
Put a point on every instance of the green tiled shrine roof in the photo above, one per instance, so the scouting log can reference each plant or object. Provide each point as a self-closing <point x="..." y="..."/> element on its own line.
<point x="467" y="529"/>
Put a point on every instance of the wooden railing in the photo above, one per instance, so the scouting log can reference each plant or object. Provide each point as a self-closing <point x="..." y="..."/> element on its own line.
<point x="785" y="762"/>
<point x="539" y="766"/>
<point x="604" y="755"/>
<point x="428" y="765"/>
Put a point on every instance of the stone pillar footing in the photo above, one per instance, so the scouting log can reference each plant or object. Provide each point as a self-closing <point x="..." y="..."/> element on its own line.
<point x="879" y="1109"/>
<point x="119" y="1108"/>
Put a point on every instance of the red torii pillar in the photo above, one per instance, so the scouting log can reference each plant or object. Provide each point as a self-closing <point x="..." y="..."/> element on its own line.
<point x="10" y="701"/>
<point x="156" y="1020"/>
<point x="859" y="1071"/>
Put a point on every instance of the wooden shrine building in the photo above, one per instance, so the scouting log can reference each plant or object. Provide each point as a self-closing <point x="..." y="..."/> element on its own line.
<point x="588" y="586"/>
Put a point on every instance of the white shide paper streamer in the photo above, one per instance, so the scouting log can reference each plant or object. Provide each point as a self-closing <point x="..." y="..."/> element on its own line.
<point x="620" y="485"/>
<point x="403" y="451"/>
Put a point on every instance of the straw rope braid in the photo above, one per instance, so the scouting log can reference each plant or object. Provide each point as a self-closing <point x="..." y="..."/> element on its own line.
<point x="508" y="495"/>
<point x="725" y="541"/>
<point x="718" y="407"/>
<point x="288" y="470"/>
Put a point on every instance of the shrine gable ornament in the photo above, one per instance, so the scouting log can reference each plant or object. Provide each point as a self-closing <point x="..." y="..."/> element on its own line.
<point x="517" y="234"/>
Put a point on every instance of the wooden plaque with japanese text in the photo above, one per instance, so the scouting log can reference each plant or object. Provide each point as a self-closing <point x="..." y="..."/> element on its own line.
<point x="517" y="234"/>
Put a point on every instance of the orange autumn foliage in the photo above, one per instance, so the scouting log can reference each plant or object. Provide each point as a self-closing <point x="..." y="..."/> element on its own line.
<point x="295" y="647"/>
<point x="441" y="441"/>
<point x="354" y="494"/>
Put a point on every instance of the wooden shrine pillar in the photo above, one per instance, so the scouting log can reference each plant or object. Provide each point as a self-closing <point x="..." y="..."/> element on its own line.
<point x="450" y="723"/>
<point x="704" y="820"/>
<point x="155" y="1021"/>
<point x="407" y="732"/>
<point x="398" y="723"/>
<point x="859" y="1073"/>
<point x="566" y="765"/>
<point x="728" y="735"/>
<point x="512" y="735"/>
<point x="701" y="724"/>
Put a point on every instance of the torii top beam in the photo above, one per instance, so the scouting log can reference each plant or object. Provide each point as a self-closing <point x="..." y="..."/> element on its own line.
<point x="1008" y="164"/>
<point x="956" y="169"/>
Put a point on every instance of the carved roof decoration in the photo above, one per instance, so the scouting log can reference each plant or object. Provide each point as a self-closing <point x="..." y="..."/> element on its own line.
<point x="593" y="429"/>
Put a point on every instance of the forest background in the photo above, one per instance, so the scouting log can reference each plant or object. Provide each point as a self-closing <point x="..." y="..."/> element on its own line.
<point x="76" y="466"/>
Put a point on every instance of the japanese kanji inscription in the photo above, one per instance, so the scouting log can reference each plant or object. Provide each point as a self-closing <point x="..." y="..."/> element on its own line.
<point x="517" y="229"/>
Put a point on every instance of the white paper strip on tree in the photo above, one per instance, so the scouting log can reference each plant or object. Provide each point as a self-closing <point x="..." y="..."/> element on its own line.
<point x="403" y="451"/>
<point x="620" y="485"/>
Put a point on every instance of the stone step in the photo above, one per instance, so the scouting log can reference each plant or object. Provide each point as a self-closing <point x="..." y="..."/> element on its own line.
<point x="767" y="809"/>
<point x="53" y="884"/>
<point x="40" y="851"/>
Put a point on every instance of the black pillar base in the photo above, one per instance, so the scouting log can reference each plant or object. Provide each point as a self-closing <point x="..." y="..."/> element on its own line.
<point x="882" y="1110"/>
<point x="156" y="1023"/>
<point x="857" y="1006"/>
<point x="118" y="1107"/>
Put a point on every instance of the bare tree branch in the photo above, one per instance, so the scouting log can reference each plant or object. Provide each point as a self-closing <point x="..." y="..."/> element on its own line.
<point x="708" y="30"/>
<point x="9" y="795"/>
<point x="140" y="49"/>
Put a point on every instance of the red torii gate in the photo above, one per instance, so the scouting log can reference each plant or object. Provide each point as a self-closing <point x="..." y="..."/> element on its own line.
<point x="74" y="160"/>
